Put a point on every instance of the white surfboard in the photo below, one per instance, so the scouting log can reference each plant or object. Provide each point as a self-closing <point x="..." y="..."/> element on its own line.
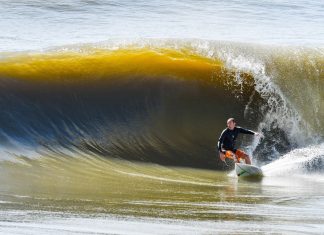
<point x="244" y="170"/>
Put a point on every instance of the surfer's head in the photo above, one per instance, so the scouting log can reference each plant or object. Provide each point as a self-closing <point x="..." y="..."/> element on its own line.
<point x="231" y="123"/>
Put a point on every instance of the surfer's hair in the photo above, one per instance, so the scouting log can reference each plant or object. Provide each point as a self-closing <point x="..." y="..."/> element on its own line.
<point x="231" y="120"/>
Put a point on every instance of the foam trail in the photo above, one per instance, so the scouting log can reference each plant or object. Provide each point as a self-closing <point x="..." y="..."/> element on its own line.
<point x="302" y="161"/>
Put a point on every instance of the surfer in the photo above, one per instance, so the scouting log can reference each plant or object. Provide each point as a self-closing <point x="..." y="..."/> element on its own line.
<point x="226" y="142"/>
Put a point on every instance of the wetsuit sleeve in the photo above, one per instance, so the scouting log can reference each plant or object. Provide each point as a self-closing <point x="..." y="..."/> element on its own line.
<point x="220" y="141"/>
<point x="245" y="131"/>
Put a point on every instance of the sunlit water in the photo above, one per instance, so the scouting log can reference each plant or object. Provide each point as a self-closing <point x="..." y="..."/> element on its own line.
<point x="93" y="195"/>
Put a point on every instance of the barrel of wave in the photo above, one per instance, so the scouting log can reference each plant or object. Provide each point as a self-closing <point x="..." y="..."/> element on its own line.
<point x="205" y="79"/>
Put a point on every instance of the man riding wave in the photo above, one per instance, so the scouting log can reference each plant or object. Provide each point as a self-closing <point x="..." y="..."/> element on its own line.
<point x="226" y="142"/>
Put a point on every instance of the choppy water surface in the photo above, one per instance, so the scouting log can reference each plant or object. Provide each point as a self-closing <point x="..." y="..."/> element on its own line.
<point x="102" y="196"/>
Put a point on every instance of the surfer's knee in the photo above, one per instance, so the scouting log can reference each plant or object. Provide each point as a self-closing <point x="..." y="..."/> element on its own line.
<point x="242" y="155"/>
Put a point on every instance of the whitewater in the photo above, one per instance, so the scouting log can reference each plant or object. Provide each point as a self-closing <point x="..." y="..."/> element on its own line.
<point x="111" y="111"/>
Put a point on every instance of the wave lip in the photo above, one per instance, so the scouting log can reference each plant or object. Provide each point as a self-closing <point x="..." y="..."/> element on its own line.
<point x="93" y="64"/>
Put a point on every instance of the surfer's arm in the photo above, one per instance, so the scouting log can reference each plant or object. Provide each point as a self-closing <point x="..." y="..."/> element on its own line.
<point x="220" y="142"/>
<point x="246" y="131"/>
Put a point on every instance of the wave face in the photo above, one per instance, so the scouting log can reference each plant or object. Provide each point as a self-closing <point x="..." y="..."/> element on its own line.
<point x="164" y="102"/>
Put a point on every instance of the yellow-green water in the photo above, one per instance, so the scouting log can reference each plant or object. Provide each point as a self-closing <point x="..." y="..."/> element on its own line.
<point x="85" y="190"/>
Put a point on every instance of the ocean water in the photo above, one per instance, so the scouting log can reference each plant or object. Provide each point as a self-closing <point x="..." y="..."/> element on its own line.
<point x="111" y="111"/>
<point x="35" y="24"/>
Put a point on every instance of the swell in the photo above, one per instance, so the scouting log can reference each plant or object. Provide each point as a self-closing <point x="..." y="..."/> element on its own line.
<point x="155" y="104"/>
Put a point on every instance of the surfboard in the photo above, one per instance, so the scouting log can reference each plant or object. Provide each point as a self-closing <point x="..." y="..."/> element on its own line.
<point x="245" y="170"/>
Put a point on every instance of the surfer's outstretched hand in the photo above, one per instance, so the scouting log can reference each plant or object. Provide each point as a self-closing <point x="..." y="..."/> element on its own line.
<point x="259" y="134"/>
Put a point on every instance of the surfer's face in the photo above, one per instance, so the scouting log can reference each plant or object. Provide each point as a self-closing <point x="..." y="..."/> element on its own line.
<point x="230" y="125"/>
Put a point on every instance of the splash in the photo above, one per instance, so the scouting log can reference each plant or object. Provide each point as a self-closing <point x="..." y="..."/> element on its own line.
<point x="301" y="161"/>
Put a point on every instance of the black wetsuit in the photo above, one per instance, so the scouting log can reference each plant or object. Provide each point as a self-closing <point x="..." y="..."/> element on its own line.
<point x="227" y="139"/>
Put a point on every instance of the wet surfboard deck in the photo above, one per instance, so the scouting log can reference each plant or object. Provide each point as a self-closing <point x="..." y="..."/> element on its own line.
<point x="245" y="170"/>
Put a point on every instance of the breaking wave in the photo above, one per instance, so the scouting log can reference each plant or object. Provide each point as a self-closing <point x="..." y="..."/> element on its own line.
<point x="164" y="102"/>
